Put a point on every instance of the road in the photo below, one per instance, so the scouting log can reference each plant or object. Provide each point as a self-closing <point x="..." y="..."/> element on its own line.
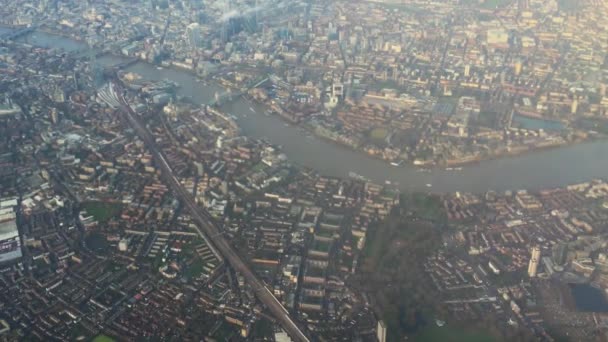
<point x="208" y="229"/>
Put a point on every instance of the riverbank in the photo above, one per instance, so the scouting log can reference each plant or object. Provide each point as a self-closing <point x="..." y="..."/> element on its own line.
<point x="551" y="168"/>
<point x="414" y="163"/>
<point x="454" y="163"/>
<point x="516" y="151"/>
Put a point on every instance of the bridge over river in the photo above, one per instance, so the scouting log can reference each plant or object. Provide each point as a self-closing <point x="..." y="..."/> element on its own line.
<point x="221" y="98"/>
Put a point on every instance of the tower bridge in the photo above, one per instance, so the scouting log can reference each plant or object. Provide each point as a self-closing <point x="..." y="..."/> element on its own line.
<point x="221" y="98"/>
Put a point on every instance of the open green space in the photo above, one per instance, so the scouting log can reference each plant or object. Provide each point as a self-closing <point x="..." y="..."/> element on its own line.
<point x="97" y="242"/>
<point x="196" y="268"/>
<point x="78" y="333"/>
<point x="447" y="333"/>
<point x="427" y="207"/>
<point x="103" y="338"/>
<point x="488" y="119"/>
<point x="393" y="267"/>
<point x="262" y="329"/>
<point x="102" y="211"/>
<point x="378" y="134"/>
<point x="226" y="332"/>
<point x="259" y="167"/>
<point x="488" y="4"/>
<point x="393" y="273"/>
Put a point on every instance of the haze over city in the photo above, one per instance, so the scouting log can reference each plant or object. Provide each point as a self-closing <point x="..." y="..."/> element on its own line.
<point x="303" y="170"/>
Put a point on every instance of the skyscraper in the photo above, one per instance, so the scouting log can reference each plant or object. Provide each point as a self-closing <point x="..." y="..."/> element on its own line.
<point x="193" y="35"/>
<point x="534" y="260"/>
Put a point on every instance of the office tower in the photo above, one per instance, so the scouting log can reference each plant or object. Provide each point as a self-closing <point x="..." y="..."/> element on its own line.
<point x="534" y="260"/>
<point x="193" y="35"/>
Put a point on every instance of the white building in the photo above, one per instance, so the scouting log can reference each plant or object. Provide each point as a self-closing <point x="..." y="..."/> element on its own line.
<point x="381" y="331"/>
<point x="534" y="260"/>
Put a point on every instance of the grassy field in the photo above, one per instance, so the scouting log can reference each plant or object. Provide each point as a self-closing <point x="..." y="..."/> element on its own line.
<point x="103" y="338"/>
<point x="393" y="272"/>
<point x="378" y="134"/>
<point x="488" y="119"/>
<point x="424" y="206"/>
<point x="196" y="269"/>
<point x="102" y="211"/>
<point x="226" y="332"/>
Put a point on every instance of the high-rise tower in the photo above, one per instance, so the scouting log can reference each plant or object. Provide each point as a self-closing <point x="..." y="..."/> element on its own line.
<point x="193" y="36"/>
<point x="534" y="260"/>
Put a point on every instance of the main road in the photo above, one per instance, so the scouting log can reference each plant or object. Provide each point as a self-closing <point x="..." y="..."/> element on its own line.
<point x="208" y="229"/>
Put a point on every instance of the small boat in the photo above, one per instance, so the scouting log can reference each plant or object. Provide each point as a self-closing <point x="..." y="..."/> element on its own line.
<point x="428" y="185"/>
<point x="458" y="169"/>
<point x="159" y="68"/>
<point x="251" y="109"/>
<point x="449" y="169"/>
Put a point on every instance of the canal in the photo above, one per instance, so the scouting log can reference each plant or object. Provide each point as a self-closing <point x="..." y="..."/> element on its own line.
<point x="537" y="170"/>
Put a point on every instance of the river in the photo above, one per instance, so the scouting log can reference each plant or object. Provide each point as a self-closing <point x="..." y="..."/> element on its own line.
<point x="537" y="170"/>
